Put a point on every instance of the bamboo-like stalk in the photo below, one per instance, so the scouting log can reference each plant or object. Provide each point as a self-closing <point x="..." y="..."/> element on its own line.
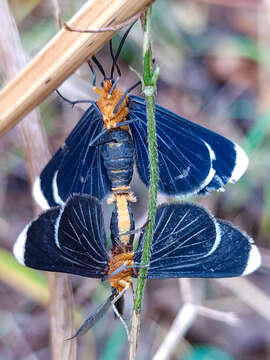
<point x="149" y="80"/>
<point x="62" y="56"/>
<point x="36" y="152"/>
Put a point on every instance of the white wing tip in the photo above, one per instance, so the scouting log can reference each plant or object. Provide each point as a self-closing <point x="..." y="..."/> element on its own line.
<point x="218" y="238"/>
<point x="254" y="260"/>
<point x="212" y="171"/>
<point x="241" y="164"/>
<point x="19" y="246"/>
<point x="56" y="196"/>
<point x="38" y="195"/>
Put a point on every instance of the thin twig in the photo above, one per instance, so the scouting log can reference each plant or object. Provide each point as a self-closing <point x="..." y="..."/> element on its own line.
<point x="183" y="321"/>
<point x="149" y="88"/>
<point x="248" y="293"/>
<point x="36" y="154"/>
<point x="108" y="28"/>
<point x="229" y="318"/>
<point x="185" y="318"/>
<point x="57" y="13"/>
<point x="186" y="290"/>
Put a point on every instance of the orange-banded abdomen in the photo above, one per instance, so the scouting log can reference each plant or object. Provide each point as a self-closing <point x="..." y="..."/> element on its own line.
<point x="118" y="157"/>
<point x="123" y="279"/>
<point x="122" y="221"/>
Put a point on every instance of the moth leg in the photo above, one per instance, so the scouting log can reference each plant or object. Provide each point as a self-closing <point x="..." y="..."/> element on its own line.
<point x="122" y="320"/>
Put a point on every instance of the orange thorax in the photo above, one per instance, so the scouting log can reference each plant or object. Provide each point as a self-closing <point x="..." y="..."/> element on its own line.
<point x="107" y="104"/>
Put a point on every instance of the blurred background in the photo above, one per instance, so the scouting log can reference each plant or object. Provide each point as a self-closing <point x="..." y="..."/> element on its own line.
<point x="214" y="59"/>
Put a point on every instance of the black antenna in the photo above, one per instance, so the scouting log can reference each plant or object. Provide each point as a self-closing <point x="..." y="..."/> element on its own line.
<point x="100" y="67"/>
<point x="114" y="62"/>
<point x="115" y="58"/>
<point x="93" y="72"/>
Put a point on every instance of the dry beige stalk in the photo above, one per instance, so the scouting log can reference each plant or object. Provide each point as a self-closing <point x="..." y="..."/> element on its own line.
<point x="62" y="56"/>
<point x="35" y="147"/>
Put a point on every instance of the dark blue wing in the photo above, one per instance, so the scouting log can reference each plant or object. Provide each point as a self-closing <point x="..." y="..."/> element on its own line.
<point x="183" y="234"/>
<point x="80" y="231"/>
<point x="189" y="242"/>
<point x="236" y="254"/>
<point x="38" y="247"/>
<point x="192" y="159"/>
<point x="76" y="167"/>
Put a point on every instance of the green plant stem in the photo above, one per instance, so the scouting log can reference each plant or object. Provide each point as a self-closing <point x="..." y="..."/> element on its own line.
<point x="152" y="146"/>
<point x="150" y="77"/>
